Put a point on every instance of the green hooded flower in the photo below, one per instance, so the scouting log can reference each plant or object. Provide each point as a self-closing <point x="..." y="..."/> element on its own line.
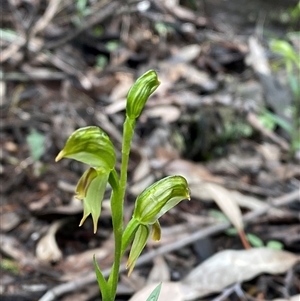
<point x="92" y="146"/>
<point x="150" y="205"/>
<point x="159" y="198"/>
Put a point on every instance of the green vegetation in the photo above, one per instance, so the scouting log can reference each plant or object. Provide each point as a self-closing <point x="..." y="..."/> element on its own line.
<point x="36" y="143"/>
<point x="289" y="58"/>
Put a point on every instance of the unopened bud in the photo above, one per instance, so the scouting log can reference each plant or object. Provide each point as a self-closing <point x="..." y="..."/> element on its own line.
<point x="140" y="92"/>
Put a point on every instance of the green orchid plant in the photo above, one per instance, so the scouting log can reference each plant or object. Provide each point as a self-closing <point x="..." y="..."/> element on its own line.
<point x="92" y="146"/>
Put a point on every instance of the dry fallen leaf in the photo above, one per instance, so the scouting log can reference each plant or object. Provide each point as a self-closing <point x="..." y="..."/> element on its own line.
<point x="208" y="277"/>
<point x="121" y="89"/>
<point x="167" y="113"/>
<point x="174" y="291"/>
<point x="77" y="264"/>
<point x="160" y="271"/>
<point x="142" y="175"/>
<point x="47" y="249"/>
<point x="197" y="176"/>
<point x="238" y="266"/>
<point x="194" y="173"/>
<point x="224" y="200"/>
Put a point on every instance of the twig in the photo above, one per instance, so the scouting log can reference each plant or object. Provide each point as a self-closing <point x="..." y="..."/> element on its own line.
<point x="9" y="51"/>
<point x="66" y="67"/>
<point x="89" y="278"/>
<point x="39" y="74"/>
<point x="17" y="42"/>
<point x="96" y="18"/>
<point x="236" y="288"/>
<point x="244" y="239"/>
<point x="45" y="19"/>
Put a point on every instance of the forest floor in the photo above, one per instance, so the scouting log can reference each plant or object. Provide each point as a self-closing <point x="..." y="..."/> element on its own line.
<point x="224" y="117"/>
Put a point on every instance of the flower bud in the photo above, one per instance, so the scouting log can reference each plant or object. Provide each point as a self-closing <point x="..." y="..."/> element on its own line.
<point x="92" y="146"/>
<point x="160" y="197"/>
<point x="140" y="92"/>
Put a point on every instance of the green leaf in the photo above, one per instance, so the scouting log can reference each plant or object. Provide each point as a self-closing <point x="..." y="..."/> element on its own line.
<point x="101" y="61"/>
<point x="294" y="84"/>
<point x="274" y="244"/>
<point x="286" y="50"/>
<point x="36" y="143"/>
<point x="140" y="92"/>
<point x="112" y="45"/>
<point x="162" y="28"/>
<point x="10" y="266"/>
<point x="231" y="232"/>
<point x="255" y="241"/>
<point x="155" y="294"/>
<point x="296" y="144"/>
<point x="129" y="233"/>
<point x="217" y="214"/>
<point x="8" y="34"/>
<point x="267" y="120"/>
<point x="92" y="146"/>
<point x="103" y="286"/>
<point x="98" y="31"/>
<point x="295" y="12"/>
<point x="270" y="120"/>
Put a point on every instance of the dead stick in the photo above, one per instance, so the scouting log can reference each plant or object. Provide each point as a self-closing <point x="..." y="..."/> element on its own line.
<point x="102" y="14"/>
<point x="244" y="239"/>
<point x="74" y="285"/>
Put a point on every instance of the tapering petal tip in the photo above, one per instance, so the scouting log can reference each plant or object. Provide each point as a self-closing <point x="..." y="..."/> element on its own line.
<point x="130" y="266"/>
<point x="59" y="156"/>
<point x="83" y="220"/>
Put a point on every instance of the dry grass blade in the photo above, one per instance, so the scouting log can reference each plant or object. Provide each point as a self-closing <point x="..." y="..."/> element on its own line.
<point x="223" y="199"/>
<point x="238" y="266"/>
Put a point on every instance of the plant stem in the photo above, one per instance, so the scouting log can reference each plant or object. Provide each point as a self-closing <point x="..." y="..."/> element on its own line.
<point x="117" y="204"/>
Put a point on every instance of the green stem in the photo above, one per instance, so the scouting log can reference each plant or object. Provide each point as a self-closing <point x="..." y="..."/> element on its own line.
<point x="117" y="204"/>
